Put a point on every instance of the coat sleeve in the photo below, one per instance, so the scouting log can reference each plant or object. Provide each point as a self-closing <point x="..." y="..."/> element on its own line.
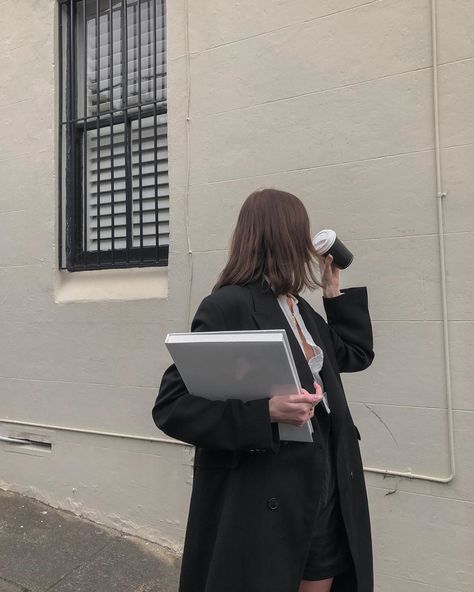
<point x="232" y="425"/>
<point x="350" y="328"/>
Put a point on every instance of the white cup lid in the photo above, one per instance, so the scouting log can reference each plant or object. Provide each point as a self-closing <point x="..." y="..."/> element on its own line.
<point x="324" y="240"/>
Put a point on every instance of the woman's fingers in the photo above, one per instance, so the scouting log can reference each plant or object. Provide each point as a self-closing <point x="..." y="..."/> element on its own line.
<point x="306" y="398"/>
<point x="328" y="271"/>
<point x="321" y="263"/>
<point x="296" y="409"/>
<point x="319" y="390"/>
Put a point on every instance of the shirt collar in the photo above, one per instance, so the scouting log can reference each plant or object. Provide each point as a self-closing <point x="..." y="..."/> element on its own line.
<point x="293" y="297"/>
<point x="283" y="298"/>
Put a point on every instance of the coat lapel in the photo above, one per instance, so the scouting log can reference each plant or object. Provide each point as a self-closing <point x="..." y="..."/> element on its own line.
<point x="329" y="372"/>
<point x="312" y="327"/>
<point x="269" y="315"/>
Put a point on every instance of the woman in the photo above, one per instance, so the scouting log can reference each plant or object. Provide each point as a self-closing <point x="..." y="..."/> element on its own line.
<point x="268" y="515"/>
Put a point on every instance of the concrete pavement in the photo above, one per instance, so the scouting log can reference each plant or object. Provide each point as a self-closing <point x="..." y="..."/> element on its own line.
<point x="43" y="549"/>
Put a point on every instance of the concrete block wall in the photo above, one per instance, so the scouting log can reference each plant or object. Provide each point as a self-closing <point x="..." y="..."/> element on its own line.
<point x="333" y="101"/>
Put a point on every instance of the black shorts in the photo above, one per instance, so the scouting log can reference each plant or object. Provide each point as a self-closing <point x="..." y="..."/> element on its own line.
<point x="329" y="552"/>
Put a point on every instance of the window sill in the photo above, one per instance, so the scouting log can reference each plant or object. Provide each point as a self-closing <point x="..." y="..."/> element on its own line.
<point x="111" y="284"/>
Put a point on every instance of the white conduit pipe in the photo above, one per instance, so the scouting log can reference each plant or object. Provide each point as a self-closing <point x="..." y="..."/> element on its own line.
<point x="439" y="196"/>
<point x="188" y="162"/>
<point x="85" y="431"/>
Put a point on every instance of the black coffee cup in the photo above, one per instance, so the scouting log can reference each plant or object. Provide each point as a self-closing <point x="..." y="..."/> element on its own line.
<point x="327" y="243"/>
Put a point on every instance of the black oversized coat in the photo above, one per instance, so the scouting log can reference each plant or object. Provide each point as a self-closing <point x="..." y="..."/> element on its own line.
<point x="251" y="517"/>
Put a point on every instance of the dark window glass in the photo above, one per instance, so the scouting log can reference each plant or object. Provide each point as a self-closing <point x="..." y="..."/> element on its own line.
<point x="114" y="195"/>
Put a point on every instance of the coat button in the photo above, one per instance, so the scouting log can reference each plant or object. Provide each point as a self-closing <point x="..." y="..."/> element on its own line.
<point x="272" y="503"/>
<point x="352" y="475"/>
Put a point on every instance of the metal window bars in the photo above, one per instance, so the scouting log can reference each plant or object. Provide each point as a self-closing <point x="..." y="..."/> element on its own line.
<point x="113" y="134"/>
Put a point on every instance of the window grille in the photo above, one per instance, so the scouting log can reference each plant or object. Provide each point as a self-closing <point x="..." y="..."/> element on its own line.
<point x="113" y="166"/>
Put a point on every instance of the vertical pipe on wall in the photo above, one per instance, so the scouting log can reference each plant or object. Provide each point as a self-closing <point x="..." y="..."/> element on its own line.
<point x="440" y="195"/>
<point x="188" y="163"/>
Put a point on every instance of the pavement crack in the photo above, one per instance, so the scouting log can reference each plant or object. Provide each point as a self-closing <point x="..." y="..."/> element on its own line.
<point x="18" y="587"/>
<point x="88" y="560"/>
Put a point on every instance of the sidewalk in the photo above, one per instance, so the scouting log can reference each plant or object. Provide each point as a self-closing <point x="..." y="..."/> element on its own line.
<point x="45" y="549"/>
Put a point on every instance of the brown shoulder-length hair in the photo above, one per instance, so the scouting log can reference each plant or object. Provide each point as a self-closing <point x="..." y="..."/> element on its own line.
<point x="272" y="238"/>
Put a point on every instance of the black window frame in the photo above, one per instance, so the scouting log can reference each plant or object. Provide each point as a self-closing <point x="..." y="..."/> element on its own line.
<point x="71" y="239"/>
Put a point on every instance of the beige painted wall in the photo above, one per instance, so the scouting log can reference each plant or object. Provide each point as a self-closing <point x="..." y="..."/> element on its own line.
<point x="331" y="100"/>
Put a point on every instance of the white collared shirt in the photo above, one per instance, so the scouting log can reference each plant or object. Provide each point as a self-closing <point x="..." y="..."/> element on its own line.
<point x="316" y="362"/>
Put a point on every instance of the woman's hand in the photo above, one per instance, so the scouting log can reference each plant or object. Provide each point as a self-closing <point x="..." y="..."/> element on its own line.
<point x="329" y="276"/>
<point x="295" y="409"/>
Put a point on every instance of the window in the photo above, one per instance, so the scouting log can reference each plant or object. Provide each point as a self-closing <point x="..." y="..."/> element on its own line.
<point x="113" y="165"/>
